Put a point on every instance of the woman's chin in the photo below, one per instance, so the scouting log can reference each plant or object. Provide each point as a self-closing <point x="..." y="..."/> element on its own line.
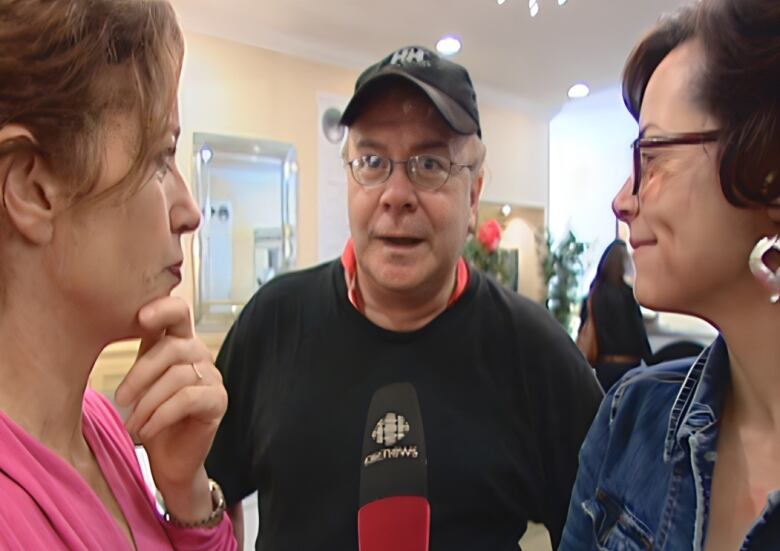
<point x="647" y="295"/>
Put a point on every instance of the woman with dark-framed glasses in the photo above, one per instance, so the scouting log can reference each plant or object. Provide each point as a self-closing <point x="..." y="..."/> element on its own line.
<point x="686" y="455"/>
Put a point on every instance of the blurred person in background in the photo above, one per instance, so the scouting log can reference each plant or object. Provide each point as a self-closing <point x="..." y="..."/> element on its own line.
<point x="611" y="307"/>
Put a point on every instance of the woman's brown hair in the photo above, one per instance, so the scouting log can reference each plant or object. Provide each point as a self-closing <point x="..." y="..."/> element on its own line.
<point x="672" y="30"/>
<point x="739" y="86"/>
<point x="65" y="64"/>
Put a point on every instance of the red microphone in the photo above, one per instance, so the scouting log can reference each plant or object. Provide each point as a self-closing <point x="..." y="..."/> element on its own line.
<point x="394" y="511"/>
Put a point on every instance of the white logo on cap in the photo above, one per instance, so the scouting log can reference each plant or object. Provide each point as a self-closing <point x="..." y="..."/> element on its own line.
<point x="407" y="56"/>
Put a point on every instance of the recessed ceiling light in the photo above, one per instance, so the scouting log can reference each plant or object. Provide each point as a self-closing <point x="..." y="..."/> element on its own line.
<point x="500" y="2"/>
<point x="561" y="2"/>
<point x="579" y="90"/>
<point x="534" y="9"/>
<point x="449" y="45"/>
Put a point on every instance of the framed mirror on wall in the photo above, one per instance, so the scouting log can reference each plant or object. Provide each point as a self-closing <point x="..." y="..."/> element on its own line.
<point x="247" y="190"/>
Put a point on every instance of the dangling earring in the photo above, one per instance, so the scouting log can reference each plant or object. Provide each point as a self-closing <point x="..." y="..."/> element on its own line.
<point x="763" y="273"/>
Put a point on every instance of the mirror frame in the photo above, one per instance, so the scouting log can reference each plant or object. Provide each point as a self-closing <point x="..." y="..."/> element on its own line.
<point x="205" y="147"/>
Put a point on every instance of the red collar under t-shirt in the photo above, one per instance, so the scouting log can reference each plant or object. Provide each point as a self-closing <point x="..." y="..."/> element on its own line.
<point x="349" y="262"/>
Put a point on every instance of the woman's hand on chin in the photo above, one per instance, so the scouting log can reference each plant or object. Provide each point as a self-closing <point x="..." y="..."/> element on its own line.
<point x="178" y="401"/>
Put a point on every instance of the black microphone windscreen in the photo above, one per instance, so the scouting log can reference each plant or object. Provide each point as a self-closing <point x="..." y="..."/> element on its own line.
<point x="394" y="461"/>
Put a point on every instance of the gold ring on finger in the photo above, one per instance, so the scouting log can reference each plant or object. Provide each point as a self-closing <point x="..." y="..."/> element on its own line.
<point x="198" y="374"/>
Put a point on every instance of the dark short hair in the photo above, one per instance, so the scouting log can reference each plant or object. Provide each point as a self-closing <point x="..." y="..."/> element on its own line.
<point x="611" y="266"/>
<point x="671" y="30"/>
<point x="741" y="88"/>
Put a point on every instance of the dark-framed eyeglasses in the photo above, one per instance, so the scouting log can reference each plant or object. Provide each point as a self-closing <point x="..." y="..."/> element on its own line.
<point x="656" y="142"/>
<point x="427" y="172"/>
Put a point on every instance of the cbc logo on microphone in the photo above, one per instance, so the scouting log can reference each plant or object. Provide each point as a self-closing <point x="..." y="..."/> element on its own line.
<point x="388" y="431"/>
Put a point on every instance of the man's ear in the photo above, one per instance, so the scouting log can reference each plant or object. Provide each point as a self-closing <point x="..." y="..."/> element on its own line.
<point x="475" y="193"/>
<point x="29" y="190"/>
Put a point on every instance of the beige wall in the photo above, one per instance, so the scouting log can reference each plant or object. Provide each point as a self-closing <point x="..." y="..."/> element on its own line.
<point x="236" y="89"/>
<point x="517" y="157"/>
<point x="240" y="90"/>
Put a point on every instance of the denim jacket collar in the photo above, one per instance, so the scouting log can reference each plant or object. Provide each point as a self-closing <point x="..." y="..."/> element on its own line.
<point x="700" y="401"/>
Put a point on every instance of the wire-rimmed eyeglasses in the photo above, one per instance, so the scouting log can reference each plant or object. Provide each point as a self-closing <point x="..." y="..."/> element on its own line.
<point x="428" y="172"/>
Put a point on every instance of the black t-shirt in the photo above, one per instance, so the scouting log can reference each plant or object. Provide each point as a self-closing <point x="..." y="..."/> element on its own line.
<point x="505" y="395"/>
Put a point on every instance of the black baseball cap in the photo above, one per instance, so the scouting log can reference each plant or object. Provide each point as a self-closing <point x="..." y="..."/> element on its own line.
<point x="444" y="82"/>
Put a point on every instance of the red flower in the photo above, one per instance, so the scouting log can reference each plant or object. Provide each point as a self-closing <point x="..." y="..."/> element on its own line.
<point x="490" y="235"/>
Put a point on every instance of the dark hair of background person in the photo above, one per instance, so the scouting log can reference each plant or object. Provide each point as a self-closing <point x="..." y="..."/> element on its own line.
<point x="619" y="326"/>
<point x="612" y="264"/>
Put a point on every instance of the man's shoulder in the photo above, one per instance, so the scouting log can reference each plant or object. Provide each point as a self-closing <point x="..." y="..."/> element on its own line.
<point x="303" y="298"/>
<point x="521" y="314"/>
<point x="291" y="288"/>
<point x="491" y="290"/>
<point x="292" y="284"/>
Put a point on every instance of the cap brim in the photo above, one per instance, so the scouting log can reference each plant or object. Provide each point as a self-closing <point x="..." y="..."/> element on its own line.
<point x="455" y="116"/>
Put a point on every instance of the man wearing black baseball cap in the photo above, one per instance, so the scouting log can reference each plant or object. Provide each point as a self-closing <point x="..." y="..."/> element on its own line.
<point x="446" y="84"/>
<point x="505" y="396"/>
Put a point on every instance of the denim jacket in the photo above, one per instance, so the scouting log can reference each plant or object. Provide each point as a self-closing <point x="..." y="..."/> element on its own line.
<point x="646" y="466"/>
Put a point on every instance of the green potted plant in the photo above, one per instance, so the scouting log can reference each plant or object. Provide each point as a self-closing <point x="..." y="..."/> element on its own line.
<point x="562" y="269"/>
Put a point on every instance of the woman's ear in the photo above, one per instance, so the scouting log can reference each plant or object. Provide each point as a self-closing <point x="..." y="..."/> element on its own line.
<point x="29" y="190"/>
<point x="475" y="194"/>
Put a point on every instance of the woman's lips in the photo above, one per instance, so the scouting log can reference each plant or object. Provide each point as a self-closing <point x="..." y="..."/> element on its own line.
<point x="638" y="243"/>
<point x="176" y="270"/>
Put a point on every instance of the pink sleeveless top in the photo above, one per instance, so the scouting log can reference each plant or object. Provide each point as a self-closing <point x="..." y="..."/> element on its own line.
<point x="46" y="504"/>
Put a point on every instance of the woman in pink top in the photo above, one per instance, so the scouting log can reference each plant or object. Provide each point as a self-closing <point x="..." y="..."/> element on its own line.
<point x="92" y="211"/>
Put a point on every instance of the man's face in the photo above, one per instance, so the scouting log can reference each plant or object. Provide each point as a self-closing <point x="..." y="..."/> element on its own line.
<point x="408" y="239"/>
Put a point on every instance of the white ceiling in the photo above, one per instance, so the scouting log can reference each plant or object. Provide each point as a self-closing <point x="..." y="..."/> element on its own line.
<point x="509" y="54"/>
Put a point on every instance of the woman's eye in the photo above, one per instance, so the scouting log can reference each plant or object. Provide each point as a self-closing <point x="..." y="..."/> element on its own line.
<point x="162" y="171"/>
<point x="164" y="165"/>
<point x="652" y="165"/>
